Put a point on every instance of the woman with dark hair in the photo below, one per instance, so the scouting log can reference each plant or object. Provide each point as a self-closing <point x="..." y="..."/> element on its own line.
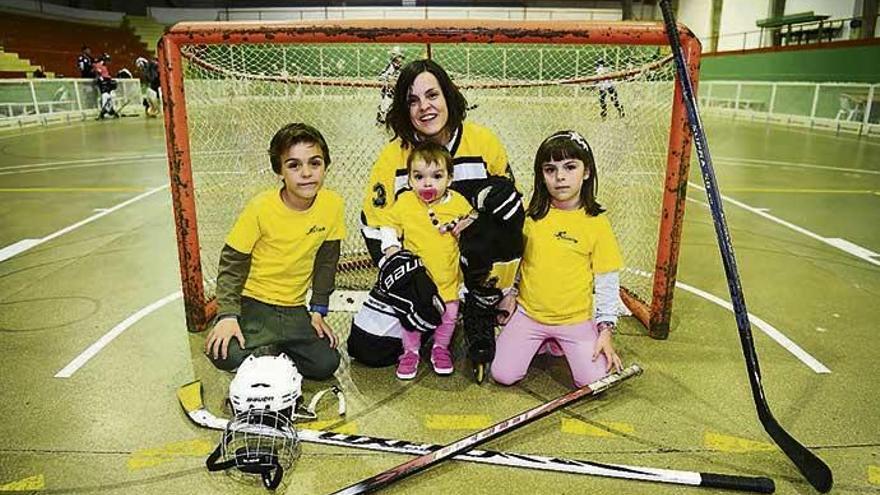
<point x="428" y="106"/>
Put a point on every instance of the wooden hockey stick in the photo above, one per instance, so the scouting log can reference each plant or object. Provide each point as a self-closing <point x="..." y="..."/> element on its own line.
<point x="809" y="464"/>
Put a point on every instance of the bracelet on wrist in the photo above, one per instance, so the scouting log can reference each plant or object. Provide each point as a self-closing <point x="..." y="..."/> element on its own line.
<point x="607" y="325"/>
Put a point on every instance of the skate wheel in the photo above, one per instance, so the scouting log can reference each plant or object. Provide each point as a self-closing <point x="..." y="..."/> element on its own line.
<point x="479" y="372"/>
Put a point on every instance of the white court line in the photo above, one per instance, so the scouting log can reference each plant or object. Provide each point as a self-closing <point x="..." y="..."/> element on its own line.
<point x="25" y="244"/>
<point x="762" y="325"/>
<point x="84" y="357"/>
<point x="88" y="164"/>
<point x="751" y="161"/>
<point x="837" y="243"/>
<point x="765" y="327"/>
<point x="119" y="158"/>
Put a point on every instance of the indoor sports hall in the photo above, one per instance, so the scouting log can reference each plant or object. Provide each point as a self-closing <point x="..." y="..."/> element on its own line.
<point x="112" y="229"/>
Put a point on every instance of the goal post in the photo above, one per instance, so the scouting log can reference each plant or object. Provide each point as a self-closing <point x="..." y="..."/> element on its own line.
<point x="227" y="87"/>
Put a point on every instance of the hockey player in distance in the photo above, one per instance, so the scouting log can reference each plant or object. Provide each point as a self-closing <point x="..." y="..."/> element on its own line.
<point x="568" y="288"/>
<point x="150" y="74"/>
<point x="429" y="219"/>
<point x="388" y="77"/>
<point x="606" y="89"/>
<point x="106" y="85"/>
<point x="286" y="241"/>
<point x="428" y="107"/>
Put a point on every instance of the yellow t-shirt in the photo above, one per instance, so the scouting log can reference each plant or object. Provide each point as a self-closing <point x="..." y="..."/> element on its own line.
<point x="439" y="252"/>
<point x="563" y="252"/>
<point x="283" y="244"/>
<point x="476" y="154"/>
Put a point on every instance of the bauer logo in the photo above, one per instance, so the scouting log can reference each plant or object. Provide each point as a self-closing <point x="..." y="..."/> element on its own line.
<point x="562" y="235"/>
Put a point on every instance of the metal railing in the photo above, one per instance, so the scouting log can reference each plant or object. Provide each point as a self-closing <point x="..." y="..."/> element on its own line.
<point x="793" y="34"/>
<point x="43" y="101"/>
<point x="841" y="107"/>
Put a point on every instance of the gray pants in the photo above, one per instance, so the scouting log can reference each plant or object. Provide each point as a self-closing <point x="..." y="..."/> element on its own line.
<point x="287" y="329"/>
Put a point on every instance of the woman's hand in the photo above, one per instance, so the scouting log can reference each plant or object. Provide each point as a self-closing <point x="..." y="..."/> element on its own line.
<point x="323" y="329"/>
<point x="463" y="223"/>
<point x="217" y="343"/>
<point x="506" y="307"/>
<point x="604" y="346"/>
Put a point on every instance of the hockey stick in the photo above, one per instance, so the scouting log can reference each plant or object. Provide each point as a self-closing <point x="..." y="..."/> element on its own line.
<point x="465" y="444"/>
<point x="811" y="466"/>
<point x="190" y="396"/>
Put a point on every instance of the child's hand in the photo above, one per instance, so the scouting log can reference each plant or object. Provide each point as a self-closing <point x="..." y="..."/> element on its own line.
<point x="604" y="346"/>
<point x="506" y="307"/>
<point x="217" y="343"/>
<point x="323" y="329"/>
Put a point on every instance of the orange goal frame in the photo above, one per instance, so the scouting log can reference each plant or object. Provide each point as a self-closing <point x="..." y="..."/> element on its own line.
<point x="655" y="315"/>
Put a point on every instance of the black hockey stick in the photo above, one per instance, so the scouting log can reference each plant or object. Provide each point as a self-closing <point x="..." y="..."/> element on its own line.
<point x="190" y="396"/>
<point x="810" y="465"/>
<point x="465" y="444"/>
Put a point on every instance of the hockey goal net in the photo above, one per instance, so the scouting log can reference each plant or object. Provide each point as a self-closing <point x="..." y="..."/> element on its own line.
<point x="229" y="86"/>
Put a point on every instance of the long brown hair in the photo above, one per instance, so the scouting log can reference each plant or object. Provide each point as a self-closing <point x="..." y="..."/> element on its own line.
<point x="398" y="119"/>
<point x="564" y="145"/>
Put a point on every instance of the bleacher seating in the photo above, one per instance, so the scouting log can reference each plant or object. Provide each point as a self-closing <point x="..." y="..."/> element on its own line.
<point x="55" y="44"/>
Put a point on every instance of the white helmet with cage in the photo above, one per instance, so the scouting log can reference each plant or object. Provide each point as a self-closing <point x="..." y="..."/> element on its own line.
<point x="266" y="383"/>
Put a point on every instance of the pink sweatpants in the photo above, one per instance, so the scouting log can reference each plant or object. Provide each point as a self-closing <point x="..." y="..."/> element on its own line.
<point x="523" y="336"/>
<point x="442" y="335"/>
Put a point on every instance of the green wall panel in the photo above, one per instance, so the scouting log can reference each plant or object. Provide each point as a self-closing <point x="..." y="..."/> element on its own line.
<point x="843" y="64"/>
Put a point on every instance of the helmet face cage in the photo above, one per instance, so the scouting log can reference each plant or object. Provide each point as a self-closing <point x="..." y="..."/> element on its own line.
<point x="257" y="443"/>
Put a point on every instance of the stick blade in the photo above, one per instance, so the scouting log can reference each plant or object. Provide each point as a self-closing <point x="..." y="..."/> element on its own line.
<point x="809" y="464"/>
<point x="190" y="396"/>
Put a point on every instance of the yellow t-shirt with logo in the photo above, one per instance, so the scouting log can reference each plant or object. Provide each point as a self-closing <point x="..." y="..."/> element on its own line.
<point x="563" y="251"/>
<point x="439" y="252"/>
<point x="476" y="154"/>
<point x="283" y="244"/>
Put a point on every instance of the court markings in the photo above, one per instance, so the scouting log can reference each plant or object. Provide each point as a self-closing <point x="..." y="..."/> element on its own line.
<point x="26" y="244"/>
<point x="835" y="242"/>
<point x="32" y="168"/>
<point x="84" y="357"/>
<point x="71" y="189"/>
<point x="746" y="162"/>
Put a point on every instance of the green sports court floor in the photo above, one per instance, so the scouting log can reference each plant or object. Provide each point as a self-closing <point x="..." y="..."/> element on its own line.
<point x="90" y="255"/>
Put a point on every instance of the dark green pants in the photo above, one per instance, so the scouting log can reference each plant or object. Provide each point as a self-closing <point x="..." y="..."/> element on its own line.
<point x="287" y="329"/>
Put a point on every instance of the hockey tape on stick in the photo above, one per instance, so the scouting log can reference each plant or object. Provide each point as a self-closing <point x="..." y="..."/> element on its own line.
<point x="809" y="464"/>
<point x="190" y="396"/>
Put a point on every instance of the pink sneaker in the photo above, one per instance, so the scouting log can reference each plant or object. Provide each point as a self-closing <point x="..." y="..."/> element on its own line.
<point x="441" y="358"/>
<point x="550" y="346"/>
<point x="407" y="365"/>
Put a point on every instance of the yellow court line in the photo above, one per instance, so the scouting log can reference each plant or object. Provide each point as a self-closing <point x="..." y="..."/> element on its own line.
<point x="874" y="475"/>
<point x="457" y="421"/>
<point x="799" y="191"/>
<point x="31" y="483"/>
<point x="72" y="189"/>
<point x="730" y="443"/>
<point x="147" y="458"/>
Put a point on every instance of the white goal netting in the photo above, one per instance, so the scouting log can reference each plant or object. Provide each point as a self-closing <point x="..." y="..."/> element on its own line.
<point x="238" y="95"/>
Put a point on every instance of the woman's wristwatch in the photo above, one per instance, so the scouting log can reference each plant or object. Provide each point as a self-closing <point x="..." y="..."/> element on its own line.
<point x="607" y="325"/>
